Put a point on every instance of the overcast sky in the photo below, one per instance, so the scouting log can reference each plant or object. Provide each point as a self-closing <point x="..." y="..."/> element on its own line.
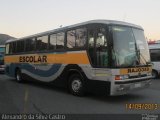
<point x="20" y="18"/>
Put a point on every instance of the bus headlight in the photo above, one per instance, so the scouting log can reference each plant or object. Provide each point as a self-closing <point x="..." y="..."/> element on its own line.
<point x="121" y="77"/>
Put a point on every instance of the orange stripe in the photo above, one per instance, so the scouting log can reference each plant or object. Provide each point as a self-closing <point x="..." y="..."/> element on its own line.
<point x="66" y="58"/>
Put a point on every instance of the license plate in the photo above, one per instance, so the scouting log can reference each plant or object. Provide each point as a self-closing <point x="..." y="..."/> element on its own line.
<point x="137" y="85"/>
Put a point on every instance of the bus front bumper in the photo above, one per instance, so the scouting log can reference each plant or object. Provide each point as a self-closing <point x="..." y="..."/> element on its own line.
<point x="120" y="88"/>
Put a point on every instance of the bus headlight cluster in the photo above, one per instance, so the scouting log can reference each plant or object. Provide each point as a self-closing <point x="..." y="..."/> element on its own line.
<point x="121" y="77"/>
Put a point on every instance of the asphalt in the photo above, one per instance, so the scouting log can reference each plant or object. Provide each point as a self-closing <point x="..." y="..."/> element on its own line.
<point x="35" y="97"/>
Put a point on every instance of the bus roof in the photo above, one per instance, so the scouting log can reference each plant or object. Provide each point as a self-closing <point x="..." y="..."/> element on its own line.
<point x="109" y="22"/>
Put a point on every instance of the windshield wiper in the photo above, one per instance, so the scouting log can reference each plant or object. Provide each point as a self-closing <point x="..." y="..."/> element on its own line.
<point x="137" y="54"/>
<point x="148" y="63"/>
<point x="140" y="55"/>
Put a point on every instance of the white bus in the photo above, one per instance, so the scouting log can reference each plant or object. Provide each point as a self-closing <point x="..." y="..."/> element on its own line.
<point x="155" y="58"/>
<point x="98" y="55"/>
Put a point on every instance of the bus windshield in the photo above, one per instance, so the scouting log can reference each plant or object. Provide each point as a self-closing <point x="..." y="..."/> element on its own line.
<point x="129" y="47"/>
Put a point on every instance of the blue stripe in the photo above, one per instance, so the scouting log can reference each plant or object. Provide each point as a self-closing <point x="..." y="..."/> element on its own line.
<point x="42" y="73"/>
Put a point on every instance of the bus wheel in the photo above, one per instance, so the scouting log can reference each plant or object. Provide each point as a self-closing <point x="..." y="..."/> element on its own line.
<point x="18" y="75"/>
<point x="76" y="85"/>
<point x="154" y="74"/>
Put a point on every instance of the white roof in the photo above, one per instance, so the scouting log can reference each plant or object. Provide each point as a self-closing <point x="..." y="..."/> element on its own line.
<point x="109" y="22"/>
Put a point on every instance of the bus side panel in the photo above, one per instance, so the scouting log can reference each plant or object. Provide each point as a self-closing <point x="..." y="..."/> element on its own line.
<point x="44" y="70"/>
<point x="45" y="73"/>
<point x="10" y="69"/>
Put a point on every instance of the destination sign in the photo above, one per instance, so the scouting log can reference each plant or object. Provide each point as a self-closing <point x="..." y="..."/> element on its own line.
<point x="135" y="70"/>
<point x="141" y="69"/>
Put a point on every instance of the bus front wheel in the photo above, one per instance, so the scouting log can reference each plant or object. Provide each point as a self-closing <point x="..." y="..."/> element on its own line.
<point x="76" y="85"/>
<point x="18" y="75"/>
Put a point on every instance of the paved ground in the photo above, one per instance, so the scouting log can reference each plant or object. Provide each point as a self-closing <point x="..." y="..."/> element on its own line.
<point x="33" y="97"/>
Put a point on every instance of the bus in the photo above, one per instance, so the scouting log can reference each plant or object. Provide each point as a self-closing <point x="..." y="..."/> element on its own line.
<point x="106" y="56"/>
<point x="154" y="49"/>
<point x="2" y="51"/>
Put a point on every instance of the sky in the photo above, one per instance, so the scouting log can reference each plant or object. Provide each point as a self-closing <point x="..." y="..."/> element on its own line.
<point x="20" y="18"/>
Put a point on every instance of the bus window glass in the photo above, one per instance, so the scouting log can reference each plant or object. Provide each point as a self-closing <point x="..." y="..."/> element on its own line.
<point x="98" y="50"/>
<point x="81" y="37"/>
<point x="142" y="45"/>
<point x="71" y="37"/>
<point x="42" y="43"/>
<point x="14" y="48"/>
<point x="60" y="41"/>
<point x="20" y="46"/>
<point x="134" y="51"/>
<point x="124" y="46"/>
<point x="101" y="48"/>
<point x="30" y="45"/>
<point x="10" y="48"/>
<point x="155" y="56"/>
<point x="53" y="39"/>
<point x="2" y="49"/>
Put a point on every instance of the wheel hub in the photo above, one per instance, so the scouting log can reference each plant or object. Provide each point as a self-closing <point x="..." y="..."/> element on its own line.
<point x="76" y="85"/>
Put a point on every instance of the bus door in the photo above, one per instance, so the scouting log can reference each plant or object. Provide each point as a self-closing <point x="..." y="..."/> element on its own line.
<point x="97" y="46"/>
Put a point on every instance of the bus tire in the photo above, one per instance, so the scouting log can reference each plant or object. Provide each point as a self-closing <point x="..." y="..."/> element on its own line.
<point x="76" y="85"/>
<point x="154" y="74"/>
<point x="18" y="76"/>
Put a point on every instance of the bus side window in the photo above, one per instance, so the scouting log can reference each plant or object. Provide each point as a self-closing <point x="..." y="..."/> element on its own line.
<point x="53" y="40"/>
<point x="20" y="46"/>
<point x="76" y="38"/>
<point x="30" y="44"/>
<point x="155" y="56"/>
<point x="60" y="40"/>
<point x="10" y="48"/>
<point x="71" y="38"/>
<point x="81" y="37"/>
<point x="42" y="43"/>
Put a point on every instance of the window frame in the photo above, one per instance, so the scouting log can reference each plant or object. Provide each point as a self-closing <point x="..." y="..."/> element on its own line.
<point x="57" y="50"/>
<point x="23" y="46"/>
<point x="49" y="42"/>
<point x="151" y="55"/>
<point x="78" y="48"/>
<point x="39" y="51"/>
